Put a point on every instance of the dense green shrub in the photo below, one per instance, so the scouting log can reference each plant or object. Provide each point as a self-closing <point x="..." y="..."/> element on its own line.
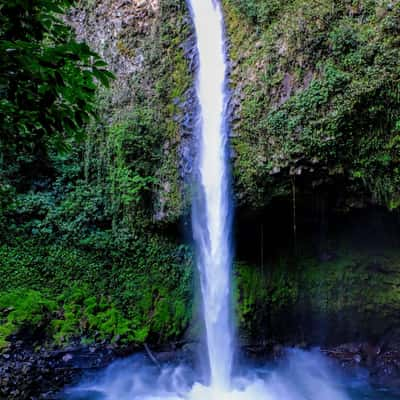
<point x="48" y="79"/>
<point x="261" y="12"/>
<point x="146" y="294"/>
<point x="25" y="310"/>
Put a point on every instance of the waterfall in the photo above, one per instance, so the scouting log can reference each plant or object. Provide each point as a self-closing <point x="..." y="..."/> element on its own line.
<point x="303" y="376"/>
<point x="211" y="208"/>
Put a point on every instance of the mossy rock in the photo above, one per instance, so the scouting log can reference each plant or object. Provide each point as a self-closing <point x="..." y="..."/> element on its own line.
<point x="353" y="296"/>
<point x="316" y="91"/>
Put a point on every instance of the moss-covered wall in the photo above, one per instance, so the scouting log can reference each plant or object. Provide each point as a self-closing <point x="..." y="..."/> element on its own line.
<point x="335" y="283"/>
<point x="315" y="120"/>
<point x="316" y="95"/>
<point x="352" y="297"/>
<point x="146" y="44"/>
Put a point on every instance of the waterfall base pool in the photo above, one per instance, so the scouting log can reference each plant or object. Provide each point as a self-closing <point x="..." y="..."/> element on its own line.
<point x="300" y="376"/>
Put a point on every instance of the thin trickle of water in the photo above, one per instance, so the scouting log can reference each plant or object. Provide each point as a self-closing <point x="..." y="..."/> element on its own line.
<point x="211" y="211"/>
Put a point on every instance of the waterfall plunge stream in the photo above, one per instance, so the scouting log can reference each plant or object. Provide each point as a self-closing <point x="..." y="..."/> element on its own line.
<point x="211" y="211"/>
<point x="301" y="375"/>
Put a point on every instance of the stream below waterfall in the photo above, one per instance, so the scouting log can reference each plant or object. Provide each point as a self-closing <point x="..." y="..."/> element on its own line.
<point x="299" y="376"/>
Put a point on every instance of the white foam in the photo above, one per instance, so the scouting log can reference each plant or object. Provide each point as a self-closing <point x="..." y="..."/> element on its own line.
<point x="302" y="376"/>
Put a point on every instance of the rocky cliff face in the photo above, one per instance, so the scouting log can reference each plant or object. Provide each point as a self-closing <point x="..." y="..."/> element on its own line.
<point x="316" y="105"/>
<point x="150" y="47"/>
<point x="116" y="30"/>
<point x="315" y="94"/>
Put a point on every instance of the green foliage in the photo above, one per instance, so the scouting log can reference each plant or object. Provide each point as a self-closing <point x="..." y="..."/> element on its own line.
<point x="31" y="264"/>
<point x="356" y="289"/>
<point x="261" y="12"/>
<point x="7" y="196"/>
<point x="156" y="290"/>
<point x="134" y="148"/>
<point x="79" y="226"/>
<point x="87" y="316"/>
<point x="25" y="310"/>
<point x="77" y="313"/>
<point x="262" y="293"/>
<point x="48" y="80"/>
<point x="132" y="295"/>
<point x="323" y="85"/>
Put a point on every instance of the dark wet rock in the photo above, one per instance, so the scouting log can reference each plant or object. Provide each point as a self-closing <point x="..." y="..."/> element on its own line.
<point x="277" y="351"/>
<point x="381" y="360"/>
<point x="41" y="374"/>
<point x="67" y="357"/>
<point x="190" y="351"/>
<point x="31" y="374"/>
<point x="326" y="256"/>
<point x="190" y="50"/>
<point x="166" y="356"/>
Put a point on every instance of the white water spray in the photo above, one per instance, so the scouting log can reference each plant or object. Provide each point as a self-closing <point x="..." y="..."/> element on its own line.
<point x="211" y="219"/>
